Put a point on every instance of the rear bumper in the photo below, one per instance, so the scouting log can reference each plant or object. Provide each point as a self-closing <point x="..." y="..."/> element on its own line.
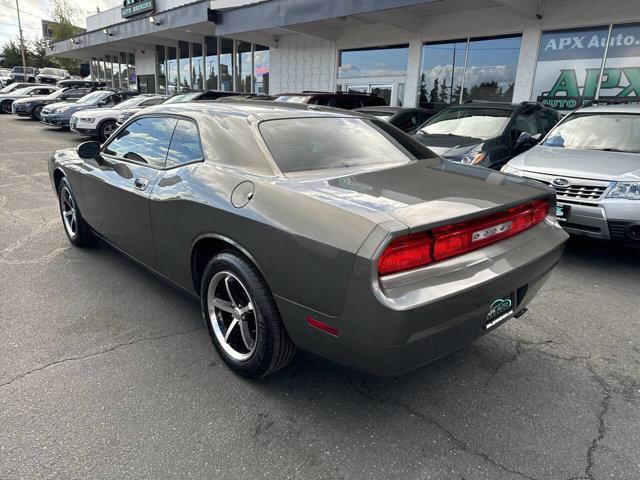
<point x="392" y="337"/>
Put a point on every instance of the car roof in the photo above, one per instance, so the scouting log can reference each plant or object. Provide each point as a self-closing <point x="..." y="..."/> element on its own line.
<point x="482" y="104"/>
<point x="610" y="108"/>
<point x="263" y="110"/>
<point x="388" y="109"/>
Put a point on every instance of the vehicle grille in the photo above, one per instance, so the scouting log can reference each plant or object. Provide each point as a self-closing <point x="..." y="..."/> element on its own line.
<point x="577" y="191"/>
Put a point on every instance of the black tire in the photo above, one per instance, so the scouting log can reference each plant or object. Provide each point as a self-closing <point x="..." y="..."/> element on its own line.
<point x="37" y="110"/>
<point x="103" y="131"/>
<point x="5" y="107"/>
<point x="273" y="347"/>
<point x="80" y="235"/>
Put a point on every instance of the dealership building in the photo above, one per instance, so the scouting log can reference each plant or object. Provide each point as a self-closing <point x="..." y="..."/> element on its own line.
<point x="427" y="52"/>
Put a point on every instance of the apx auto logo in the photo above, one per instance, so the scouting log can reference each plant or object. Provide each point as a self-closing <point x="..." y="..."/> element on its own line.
<point x="560" y="182"/>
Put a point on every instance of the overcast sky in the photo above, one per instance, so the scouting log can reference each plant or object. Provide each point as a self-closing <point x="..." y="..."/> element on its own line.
<point x="33" y="11"/>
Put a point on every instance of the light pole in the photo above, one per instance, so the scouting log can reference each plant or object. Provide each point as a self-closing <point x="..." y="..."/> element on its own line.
<point x="24" y="63"/>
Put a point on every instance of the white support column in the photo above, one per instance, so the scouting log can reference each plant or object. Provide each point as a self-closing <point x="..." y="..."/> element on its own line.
<point x="527" y="61"/>
<point x="413" y="73"/>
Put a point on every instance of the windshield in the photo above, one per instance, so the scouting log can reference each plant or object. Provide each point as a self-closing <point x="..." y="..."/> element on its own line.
<point x="480" y="123"/>
<point x="52" y="71"/>
<point x="597" y="131"/>
<point x="307" y="144"/>
<point x="92" y="97"/>
<point x="184" y="97"/>
<point x="292" y="98"/>
<point x="132" y="102"/>
<point x="22" y="91"/>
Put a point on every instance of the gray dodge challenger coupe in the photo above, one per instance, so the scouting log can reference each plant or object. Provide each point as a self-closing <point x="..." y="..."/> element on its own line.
<point x="325" y="231"/>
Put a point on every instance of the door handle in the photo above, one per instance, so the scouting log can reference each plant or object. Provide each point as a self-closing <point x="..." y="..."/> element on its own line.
<point x="140" y="183"/>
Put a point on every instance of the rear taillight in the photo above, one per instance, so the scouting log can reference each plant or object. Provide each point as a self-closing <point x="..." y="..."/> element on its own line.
<point x="419" y="249"/>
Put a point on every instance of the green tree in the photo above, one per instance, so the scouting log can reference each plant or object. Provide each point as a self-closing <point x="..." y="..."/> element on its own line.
<point x="38" y="52"/>
<point x="65" y="16"/>
<point x="443" y="96"/>
<point x="12" y="55"/>
<point x="433" y="94"/>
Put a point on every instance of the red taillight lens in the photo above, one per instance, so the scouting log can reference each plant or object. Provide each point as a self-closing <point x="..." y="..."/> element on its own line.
<point x="419" y="249"/>
<point x="406" y="252"/>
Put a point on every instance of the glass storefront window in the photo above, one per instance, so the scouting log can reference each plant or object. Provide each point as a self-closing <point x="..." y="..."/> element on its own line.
<point x="472" y="69"/>
<point x="100" y="63"/>
<point x="442" y="72"/>
<point x="107" y="70"/>
<point x="131" y="73"/>
<point x="172" y="70"/>
<point x="94" y="69"/>
<point x="123" y="71"/>
<point x="226" y="64"/>
<point x="621" y="74"/>
<point x="261" y="69"/>
<point x="115" y="62"/>
<point x="162" y="74"/>
<point x="490" y="73"/>
<point x="243" y="67"/>
<point x="374" y="62"/>
<point x="211" y="62"/>
<point x="184" y="66"/>
<point x="196" y="67"/>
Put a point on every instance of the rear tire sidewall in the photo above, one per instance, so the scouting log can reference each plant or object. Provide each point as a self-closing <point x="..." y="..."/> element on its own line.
<point x="5" y="107"/>
<point x="261" y="361"/>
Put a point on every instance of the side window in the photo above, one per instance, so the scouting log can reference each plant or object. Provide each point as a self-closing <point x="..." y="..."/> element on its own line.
<point x="185" y="144"/>
<point x="151" y="101"/>
<point x="146" y="141"/>
<point x="525" y="122"/>
<point x="349" y="103"/>
<point x="546" y="120"/>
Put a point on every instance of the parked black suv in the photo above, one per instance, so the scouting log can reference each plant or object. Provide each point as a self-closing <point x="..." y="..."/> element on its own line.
<point x="345" y="100"/>
<point x="486" y="133"/>
<point x="406" y="119"/>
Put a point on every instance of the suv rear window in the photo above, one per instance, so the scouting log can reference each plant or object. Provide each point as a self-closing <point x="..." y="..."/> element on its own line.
<point x="319" y="143"/>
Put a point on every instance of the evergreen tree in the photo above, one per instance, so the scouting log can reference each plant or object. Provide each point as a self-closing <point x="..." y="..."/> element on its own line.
<point x="443" y="97"/>
<point x="433" y="94"/>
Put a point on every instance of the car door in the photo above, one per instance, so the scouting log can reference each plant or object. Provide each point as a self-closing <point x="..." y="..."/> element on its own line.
<point x="117" y="185"/>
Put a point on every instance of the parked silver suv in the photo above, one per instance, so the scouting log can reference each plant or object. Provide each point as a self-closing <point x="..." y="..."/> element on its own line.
<point x="592" y="159"/>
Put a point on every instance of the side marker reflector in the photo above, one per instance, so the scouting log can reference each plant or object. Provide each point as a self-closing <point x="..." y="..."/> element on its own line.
<point x="322" y="326"/>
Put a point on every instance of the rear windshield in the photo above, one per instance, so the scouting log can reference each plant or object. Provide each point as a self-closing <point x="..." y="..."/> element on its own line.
<point x="308" y="144"/>
<point x="293" y="98"/>
<point x="597" y="131"/>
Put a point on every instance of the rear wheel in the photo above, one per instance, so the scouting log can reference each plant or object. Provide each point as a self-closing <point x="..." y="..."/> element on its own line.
<point x="75" y="227"/>
<point x="242" y="317"/>
<point x="106" y="129"/>
<point x="36" y="112"/>
<point x="5" y="106"/>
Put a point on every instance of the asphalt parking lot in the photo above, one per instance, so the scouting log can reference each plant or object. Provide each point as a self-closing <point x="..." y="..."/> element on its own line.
<point x="106" y="372"/>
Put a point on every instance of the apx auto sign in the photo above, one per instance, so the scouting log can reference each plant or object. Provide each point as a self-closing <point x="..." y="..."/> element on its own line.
<point x="569" y="64"/>
<point x="136" y="7"/>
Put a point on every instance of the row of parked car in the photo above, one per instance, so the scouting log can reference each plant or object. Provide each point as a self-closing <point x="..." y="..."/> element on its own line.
<point x="591" y="157"/>
<point x="32" y="75"/>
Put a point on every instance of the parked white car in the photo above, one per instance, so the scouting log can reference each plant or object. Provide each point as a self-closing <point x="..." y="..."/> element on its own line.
<point x="7" y="99"/>
<point x="4" y="77"/>
<point x="592" y="159"/>
<point x="101" y="122"/>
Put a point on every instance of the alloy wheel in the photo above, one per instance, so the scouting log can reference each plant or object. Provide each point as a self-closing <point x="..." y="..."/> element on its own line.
<point x="37" y="112"/>
<point x="108" y="129"/>
<point x="6" y="107"/>
<point x="69" y="214"/>
<point x="232" y="315"/>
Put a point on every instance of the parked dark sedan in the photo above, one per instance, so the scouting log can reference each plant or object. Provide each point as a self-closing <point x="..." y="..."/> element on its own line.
<point x="406" y="119"/>
<point x="327" y="231"/>
<point x="59" y="114"/>
<point x="486" y="133"/>
<point x="32" y="106"/>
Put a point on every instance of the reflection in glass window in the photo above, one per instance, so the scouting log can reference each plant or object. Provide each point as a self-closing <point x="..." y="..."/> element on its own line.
<point x="101" y="74"/>
<point x="211" y="62"/>
<point x="442" y="72"/>
<point x="172" y="70"/>
<point x="123" y="71"/>
<point x="472" y="122"/>
<point x="131" y="73"/>
<point x="261" y="69"/>
<point x="146" y="141"/>
<point x="374" y="62"/>
<point x="162" y="75"/>
<point x="490" y="72"/>
<point x="243" y="67"/>
<point x="116" y="71"/>
<point x="491" y="69"/>
<point x="226" y="64"/>
<point x="197" y="70"/>
<point x="184" y="67"/>
<point x="107" y="69"/>
<point x="185" y="144"/>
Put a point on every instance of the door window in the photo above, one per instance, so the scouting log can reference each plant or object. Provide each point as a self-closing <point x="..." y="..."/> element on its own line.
<point x="546" y="120"/>
<point x="145" y="141"/>
<point x="525" y="122"/>
<point x="185" y="144"/>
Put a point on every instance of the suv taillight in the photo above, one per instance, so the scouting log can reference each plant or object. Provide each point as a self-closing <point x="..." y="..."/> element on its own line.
<point x="419" y="249"/>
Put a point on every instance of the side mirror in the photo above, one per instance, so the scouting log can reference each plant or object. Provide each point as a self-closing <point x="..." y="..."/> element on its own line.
<point x="90" y="149"/>
<point x="526" y="141"/>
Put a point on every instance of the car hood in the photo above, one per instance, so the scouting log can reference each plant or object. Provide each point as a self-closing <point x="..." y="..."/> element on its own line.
<point x="73" y="107"/>
<point x="448" y="146"/>
<point x="42" y="99"/>
<point x="421" y="193"/>
<point x="101" y="112"/>
<point x="591" y="164"/>
<point x="11" y="96"/>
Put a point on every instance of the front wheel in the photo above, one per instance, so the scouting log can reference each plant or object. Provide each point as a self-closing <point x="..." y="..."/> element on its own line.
<point x="107" y="129"/>
<point x="242" y="317"/>
<point x="5" y="106"/>
<point x="75" y="227"/>
<point x="36" y="113"/>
